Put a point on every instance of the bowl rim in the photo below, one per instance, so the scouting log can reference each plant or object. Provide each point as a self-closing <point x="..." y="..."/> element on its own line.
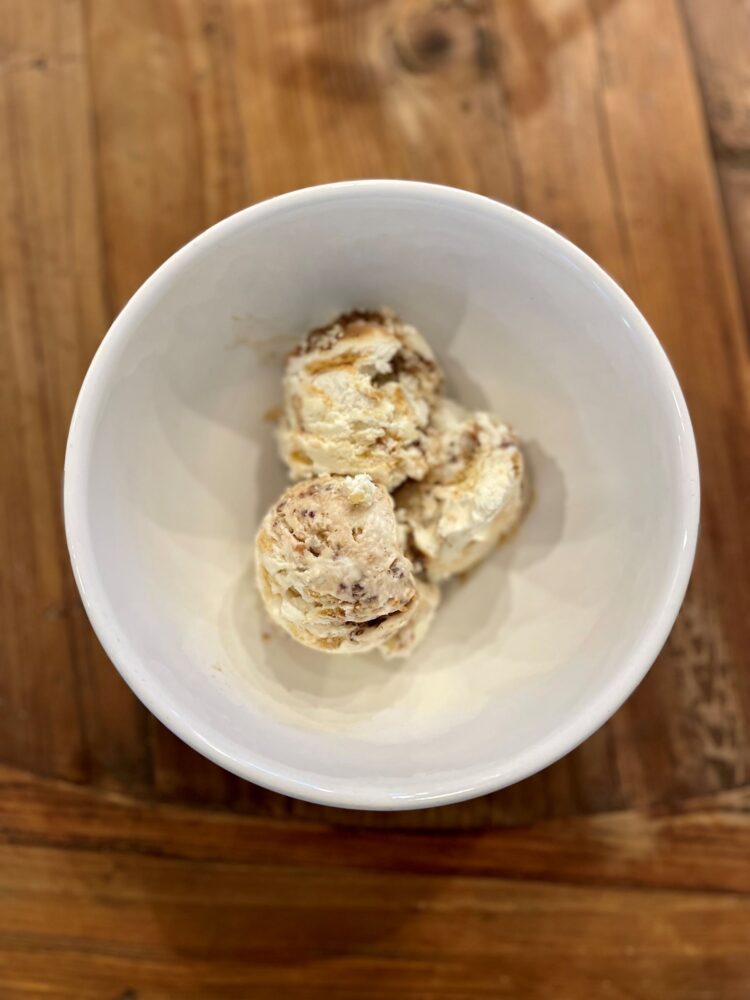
<point x="349" y="793"/>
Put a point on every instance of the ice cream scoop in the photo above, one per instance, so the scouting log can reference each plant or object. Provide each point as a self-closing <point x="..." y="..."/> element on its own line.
<point x="330" y="567"/>
<point x="472" y="496"/>
<point x="358" y="398"/>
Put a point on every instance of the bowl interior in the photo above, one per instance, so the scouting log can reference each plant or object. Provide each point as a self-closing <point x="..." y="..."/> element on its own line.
<point x="172" y="463"/>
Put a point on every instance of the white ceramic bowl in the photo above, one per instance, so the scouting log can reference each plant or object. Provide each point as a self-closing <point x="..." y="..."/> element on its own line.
<point x="171" y="463"/>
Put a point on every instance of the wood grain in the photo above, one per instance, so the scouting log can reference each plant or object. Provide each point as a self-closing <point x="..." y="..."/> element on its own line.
<point x="703" y="846"/>
<point x="66" y="712"/>
<point x="720" y="33"/>
<point x="128" y="900"/>
<point x="216" y="930"/>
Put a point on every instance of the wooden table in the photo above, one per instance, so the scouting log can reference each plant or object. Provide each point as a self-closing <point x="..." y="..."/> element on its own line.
<point x="131" y="868"/>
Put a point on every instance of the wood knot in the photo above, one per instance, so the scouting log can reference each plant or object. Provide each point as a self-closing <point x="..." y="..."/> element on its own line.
<point x="424" y="50"/>
<point x="431" y="35"/>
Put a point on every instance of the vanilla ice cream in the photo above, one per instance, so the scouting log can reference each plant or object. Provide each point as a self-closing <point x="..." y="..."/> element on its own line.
<point x="330" y="567"/>
<point x="472" y="496"/>
<point x="358" y="398"/>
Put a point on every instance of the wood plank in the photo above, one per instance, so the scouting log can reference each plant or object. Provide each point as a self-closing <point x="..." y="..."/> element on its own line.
<point x="367" y="89"/>
<point x="65" y="712"/>
<point x="148" y="163"/>
<point x="720" y="35"/>
<point x="172" y="902"/>
<point x="615" y="971"/>
<point x="170" y="163"/>
<point x="550" y="72"/>
<point x="603" y="85"/>
<point x="686" y="727"/>
<point x="363" y="934"/>
<point x="703" y="847"/>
